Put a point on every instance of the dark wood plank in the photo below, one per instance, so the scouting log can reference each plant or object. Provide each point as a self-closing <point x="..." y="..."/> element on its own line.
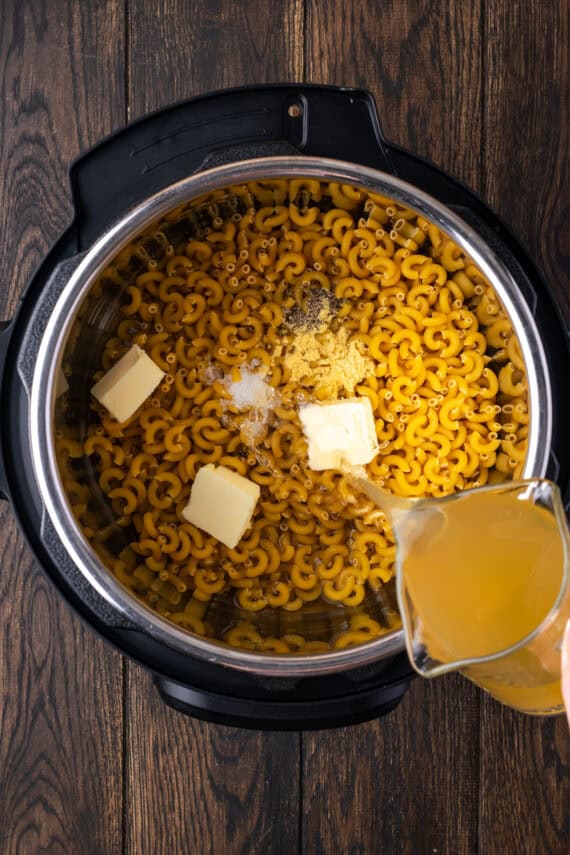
<point x="525" y="775"/>
<point x="199" y="788"/>
<point x="420" y="59"/>
<point x="194" y="787"/>
<point x="527" y="129"/>
<point x="405" y="784"/>
<point x="179" y="49"/>
<point x="60" y="688"/>
<point x="408" y="783"/>
<point x="525" y="783"/>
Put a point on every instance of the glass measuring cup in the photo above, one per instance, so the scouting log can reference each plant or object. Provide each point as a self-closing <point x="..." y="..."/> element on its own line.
<point x="483" y="588"/>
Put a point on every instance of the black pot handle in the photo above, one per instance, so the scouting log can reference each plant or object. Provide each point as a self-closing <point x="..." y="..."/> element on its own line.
<point x="17" y="364"/>
<point x="143" y="158"/>
<point x="259" y="714"/>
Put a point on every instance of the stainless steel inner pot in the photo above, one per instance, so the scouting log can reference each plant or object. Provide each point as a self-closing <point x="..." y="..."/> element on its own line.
<point x="62" y="332"/>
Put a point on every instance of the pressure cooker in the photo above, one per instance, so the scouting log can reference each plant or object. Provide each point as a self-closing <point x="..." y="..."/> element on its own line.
<point x="120" y="188"/>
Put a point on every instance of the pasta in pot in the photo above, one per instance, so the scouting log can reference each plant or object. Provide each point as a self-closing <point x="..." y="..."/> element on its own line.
<point x="429" y="345"/>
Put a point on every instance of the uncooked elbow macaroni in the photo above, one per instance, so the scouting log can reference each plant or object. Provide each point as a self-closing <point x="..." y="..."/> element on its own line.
<point x="446" y="385"/>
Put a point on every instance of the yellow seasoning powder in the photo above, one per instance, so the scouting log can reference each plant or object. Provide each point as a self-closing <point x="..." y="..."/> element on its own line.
<point x="327" y="361"/>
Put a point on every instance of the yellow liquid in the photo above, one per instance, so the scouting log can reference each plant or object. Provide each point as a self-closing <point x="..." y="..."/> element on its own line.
<point x="478" y="574"/>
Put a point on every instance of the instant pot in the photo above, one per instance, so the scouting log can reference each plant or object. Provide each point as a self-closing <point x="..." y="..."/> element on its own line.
<point x="120" y="188"/>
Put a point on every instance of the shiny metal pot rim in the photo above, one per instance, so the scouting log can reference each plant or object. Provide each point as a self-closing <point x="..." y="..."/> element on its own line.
<point x="98" y="257"/>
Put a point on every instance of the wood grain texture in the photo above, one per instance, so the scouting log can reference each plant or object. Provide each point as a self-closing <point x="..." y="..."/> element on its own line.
<point x="525" y="773"/>
<point x="408" y="783"/>
<point x="193" y="787"/>
<point x="527" y="129"/>
<point x="196" y="788"/>
<point x="179" y="49"/>
<point x="480" y="88"/>
<point x="60" y="688"/>
<point x="421" y="60"/>
<point x="525" y="783"/>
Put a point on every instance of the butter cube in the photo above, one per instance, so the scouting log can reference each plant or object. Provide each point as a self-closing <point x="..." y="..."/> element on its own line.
<point x="339" y="432"/>
<point x="128" y="384"/>
<point x="222" y="503"/>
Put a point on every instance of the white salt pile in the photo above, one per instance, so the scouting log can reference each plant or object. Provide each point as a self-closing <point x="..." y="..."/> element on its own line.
<point x="254" y="395"/>
<point x="251" y="390"/>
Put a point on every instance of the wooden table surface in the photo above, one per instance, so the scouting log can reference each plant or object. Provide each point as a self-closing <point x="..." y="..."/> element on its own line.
<point x="91" y="761"/>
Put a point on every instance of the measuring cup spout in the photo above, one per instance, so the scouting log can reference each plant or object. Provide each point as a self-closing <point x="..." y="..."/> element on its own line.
<point x="419" y="532"/>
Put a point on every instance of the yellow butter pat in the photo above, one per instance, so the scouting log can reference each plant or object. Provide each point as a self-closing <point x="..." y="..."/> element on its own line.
<point x="128" y="384"/>
<point x="339" y="432"/>
<point x="222" y="503"/>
